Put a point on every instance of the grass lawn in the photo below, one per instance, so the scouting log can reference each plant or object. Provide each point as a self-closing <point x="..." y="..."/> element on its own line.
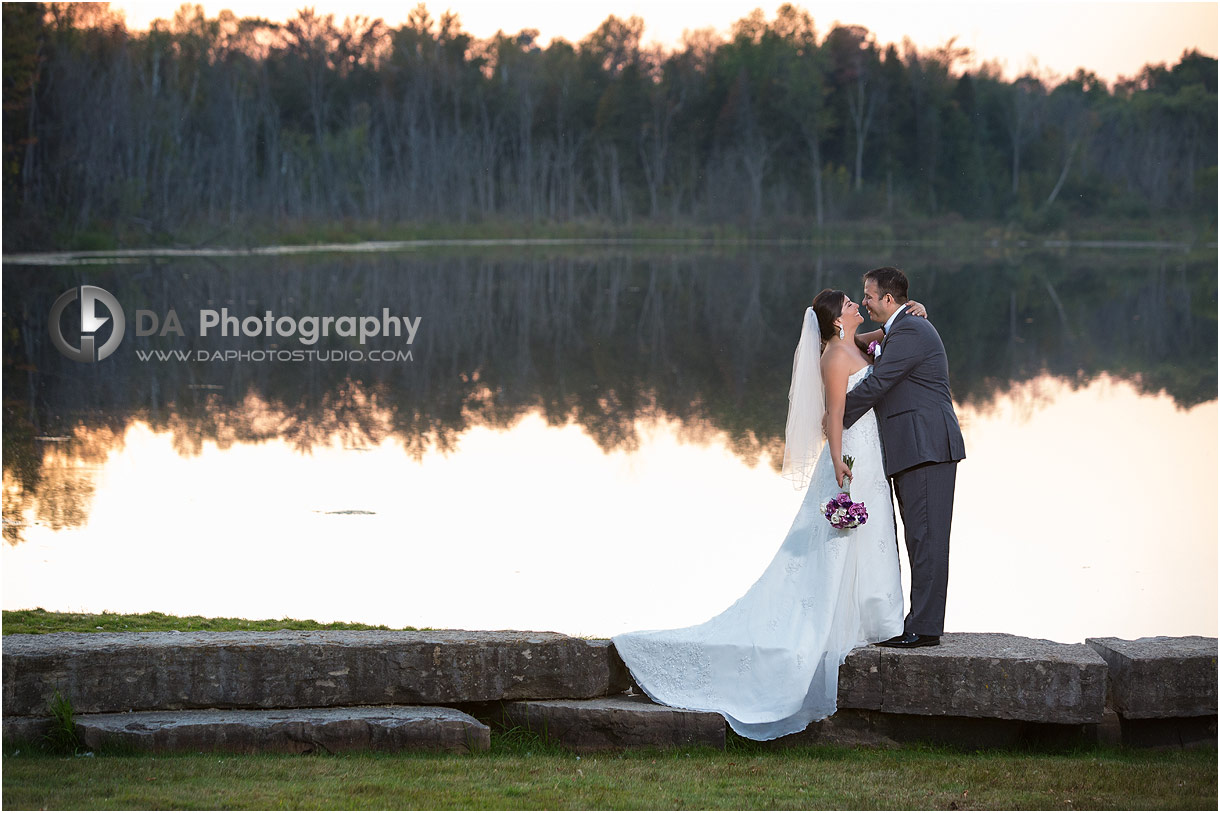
<point x="39" y="620"/>
<point x="521" y="775"/>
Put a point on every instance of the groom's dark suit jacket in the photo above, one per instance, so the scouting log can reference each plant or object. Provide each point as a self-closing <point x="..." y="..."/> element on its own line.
<point x="909" y="387"/>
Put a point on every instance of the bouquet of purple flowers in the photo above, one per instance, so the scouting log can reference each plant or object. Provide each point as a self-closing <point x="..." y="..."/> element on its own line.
<point x="840" y="511"/>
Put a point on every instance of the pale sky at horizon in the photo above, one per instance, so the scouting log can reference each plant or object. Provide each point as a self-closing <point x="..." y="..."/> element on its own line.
<point x="1111" y="39"/>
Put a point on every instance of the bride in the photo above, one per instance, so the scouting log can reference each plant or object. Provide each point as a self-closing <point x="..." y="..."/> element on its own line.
<point x="770" y="662"/>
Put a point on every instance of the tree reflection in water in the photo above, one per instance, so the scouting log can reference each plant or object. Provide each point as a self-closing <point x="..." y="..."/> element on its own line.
<point x="600" y="337"/>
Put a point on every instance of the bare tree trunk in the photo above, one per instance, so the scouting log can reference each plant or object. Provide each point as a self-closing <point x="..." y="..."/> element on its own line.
<point x="27" y="164"/>
<point x="1067" y="165"/>
<point x="814" y="144"/>
<point x="616" y="186"/>
<point x="1018" y="126"/>
<point x="654" y="149"/>
<point x="862" y="106"/>
<point x="755" y="156"/>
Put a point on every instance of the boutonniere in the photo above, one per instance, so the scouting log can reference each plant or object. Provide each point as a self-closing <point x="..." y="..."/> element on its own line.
<point x="874" y="349"/>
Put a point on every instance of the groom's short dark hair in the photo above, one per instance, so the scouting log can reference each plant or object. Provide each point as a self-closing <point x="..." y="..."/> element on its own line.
<point x="889" y="281"/>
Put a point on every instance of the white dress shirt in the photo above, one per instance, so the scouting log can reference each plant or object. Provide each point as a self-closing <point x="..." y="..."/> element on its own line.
<point x="886" y="328"/>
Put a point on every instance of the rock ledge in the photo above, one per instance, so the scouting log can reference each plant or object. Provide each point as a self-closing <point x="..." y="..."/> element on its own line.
<point x="329" y="730"/>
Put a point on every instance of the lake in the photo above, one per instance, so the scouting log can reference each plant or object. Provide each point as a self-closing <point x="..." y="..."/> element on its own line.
<point x="585" y="437"/>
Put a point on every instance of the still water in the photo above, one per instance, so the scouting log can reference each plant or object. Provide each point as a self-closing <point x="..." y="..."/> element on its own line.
<point x="586" y="439"/>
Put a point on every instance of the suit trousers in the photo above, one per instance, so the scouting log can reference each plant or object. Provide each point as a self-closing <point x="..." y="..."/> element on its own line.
<point x="925" y="500"/>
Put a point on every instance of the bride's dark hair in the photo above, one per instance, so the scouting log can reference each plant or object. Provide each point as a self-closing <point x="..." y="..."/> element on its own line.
<point x="828" y="306"/>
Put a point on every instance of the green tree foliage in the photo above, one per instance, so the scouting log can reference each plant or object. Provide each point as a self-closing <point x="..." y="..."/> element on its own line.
<point x="226" y="122"/>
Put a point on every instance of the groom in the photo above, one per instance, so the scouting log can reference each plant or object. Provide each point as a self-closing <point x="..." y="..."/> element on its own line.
<point x="920" y="440"/>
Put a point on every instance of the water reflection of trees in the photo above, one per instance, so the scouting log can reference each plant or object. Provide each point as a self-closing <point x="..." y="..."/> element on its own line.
<point x="601" y="339"/>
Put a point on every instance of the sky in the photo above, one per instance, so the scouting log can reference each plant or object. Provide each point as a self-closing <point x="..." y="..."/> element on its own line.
<point x="1111" y="39"/>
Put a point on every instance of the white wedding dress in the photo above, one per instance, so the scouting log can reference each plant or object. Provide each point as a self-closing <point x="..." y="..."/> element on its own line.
<point x="770" y="663"/>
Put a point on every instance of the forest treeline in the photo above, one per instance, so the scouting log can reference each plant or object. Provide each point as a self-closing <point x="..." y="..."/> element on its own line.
<point x="228" y="122"/>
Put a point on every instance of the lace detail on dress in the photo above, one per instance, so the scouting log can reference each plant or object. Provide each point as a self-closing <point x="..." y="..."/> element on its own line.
<point x="769" y="663"/>
<point x="678" y="667"/>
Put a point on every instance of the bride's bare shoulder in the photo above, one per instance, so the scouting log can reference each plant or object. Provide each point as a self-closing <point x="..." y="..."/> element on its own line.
<point x="837" y="362"/>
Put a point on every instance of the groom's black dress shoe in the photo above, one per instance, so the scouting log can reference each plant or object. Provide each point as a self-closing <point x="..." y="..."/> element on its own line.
<point x="911" y="639"/>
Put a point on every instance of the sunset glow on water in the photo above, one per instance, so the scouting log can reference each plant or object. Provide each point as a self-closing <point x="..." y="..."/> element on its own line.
<point x="536" y="528"/>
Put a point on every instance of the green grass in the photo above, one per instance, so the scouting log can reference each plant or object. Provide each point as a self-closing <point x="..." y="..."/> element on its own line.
<point x="516" y="774"/>
<point x="61" y="739"/>
<point x="39" y="621"/>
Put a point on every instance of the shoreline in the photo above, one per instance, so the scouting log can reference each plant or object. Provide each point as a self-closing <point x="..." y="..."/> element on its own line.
<point x="127" y="255"/>
<point x="348" y="234"/>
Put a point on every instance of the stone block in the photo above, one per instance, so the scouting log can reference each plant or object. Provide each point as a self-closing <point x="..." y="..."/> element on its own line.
<point x="997" y="675"/>
<point x="298" y="731"/>
<point x="1160" y="677"/>
<point x="625" y="721"/>
<point x="1169" y="732"/>
<point x="877" y="729"/>
<point x="860" y="679"/>
<point x="26" y="729"/>
<point x="108" y="672"/>
<point x="1110" y="729"/>
<point x="978" y="675"/>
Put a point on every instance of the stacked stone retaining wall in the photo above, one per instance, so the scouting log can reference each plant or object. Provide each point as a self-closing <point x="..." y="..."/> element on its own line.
<point x="336" y="690"/>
